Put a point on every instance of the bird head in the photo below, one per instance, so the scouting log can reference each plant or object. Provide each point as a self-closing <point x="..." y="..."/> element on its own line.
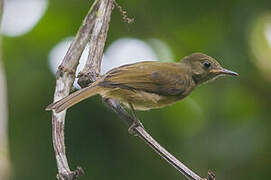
<point x="204" y="68"/>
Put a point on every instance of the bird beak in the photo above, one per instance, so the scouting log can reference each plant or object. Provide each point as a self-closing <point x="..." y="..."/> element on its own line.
<point x="224" y="71"/>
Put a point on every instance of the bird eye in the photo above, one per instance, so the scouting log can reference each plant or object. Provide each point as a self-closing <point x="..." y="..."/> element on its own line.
<point x="206" y="64"/>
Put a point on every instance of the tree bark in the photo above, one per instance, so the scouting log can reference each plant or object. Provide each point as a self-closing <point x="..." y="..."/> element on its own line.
<point x="64" y="79"/>
<point x="94" y="29"/>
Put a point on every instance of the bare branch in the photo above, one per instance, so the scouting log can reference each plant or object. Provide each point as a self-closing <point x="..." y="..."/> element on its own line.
<point x="95" y="27"/>
<point x="143" y="134"/>
<point x="96" y="44"/>
<point x="64" y="79"/>
<point x="92" y="71"/>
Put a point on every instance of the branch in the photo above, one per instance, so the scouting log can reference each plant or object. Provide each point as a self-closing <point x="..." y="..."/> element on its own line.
<point x="96" y="44"/>
<point x="64" y="79"/>
<point x="94" y="27"/>
<point x="4" y="148"/>
<point x="91" y="72"/>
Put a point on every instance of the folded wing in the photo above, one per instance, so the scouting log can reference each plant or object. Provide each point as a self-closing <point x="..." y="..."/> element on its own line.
<point x="166" y="79"/>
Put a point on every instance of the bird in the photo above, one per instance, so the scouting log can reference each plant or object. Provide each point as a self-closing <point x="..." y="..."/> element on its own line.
<point x="149" y="84"/>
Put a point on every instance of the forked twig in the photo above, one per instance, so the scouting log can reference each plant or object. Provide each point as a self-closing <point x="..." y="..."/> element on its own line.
<point x="64" y="79"/>
<point x="94" y="29"/>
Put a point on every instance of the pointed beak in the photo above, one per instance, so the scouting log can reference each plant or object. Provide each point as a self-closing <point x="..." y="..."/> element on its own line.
<point x="224" y="71"/>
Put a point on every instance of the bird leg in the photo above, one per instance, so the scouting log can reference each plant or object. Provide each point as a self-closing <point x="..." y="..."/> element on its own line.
<point x="136" y="122"/>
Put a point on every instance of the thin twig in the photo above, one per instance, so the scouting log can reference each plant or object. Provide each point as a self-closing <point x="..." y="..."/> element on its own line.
<point x="144" y="135"/>
<point x="95" y="27"/>
<point x="124" y="14"/>
<point x="64" y="79"/>
<point x="92" y="71"/>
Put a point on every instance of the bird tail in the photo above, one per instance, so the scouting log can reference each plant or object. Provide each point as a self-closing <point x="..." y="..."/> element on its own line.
<point x="74" y="98"/>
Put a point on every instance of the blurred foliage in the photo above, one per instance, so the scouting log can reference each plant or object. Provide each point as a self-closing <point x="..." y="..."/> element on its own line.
<point x="223" y="126"/>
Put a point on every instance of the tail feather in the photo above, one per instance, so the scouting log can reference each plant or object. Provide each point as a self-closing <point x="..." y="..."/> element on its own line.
<point x="73" y="98"/>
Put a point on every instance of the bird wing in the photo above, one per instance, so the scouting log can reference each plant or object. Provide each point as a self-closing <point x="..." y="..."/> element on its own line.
<point x="154" y="77"/>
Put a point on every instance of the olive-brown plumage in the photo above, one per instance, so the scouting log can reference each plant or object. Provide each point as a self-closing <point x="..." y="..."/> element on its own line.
<point x="150" y="84"/>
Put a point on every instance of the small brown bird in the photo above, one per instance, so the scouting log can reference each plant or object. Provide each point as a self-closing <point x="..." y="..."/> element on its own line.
<point x="147" y="85"/>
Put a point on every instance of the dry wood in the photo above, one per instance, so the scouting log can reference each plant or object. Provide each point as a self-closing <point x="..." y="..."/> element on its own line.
<point x="94" y="29"/>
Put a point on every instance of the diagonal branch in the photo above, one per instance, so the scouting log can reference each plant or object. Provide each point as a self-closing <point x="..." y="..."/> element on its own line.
<point x="94" y="29"/>
<point x="144" y="135"/>
<point x="91" y="72"/>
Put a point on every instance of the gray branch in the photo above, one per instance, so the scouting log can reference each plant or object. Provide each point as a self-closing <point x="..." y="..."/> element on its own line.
<point x="94" y="29"/>
<point x="64" y="79"/>
<point x="91" y="72"/>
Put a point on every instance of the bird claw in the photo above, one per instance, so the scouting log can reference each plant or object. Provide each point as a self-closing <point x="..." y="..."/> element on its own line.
<point x="132" y="128"/>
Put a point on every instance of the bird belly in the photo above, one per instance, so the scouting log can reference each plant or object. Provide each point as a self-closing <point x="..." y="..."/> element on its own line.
<point x="141" y="100"/>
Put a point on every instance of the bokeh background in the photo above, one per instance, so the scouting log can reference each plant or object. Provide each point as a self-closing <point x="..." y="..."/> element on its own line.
<point x="224" y="126"/>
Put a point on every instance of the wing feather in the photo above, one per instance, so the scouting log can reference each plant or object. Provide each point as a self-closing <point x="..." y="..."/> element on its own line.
<point x="154" y="77"/>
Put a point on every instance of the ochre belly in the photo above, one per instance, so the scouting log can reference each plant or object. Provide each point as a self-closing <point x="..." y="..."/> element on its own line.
<point x="141" y="100"/>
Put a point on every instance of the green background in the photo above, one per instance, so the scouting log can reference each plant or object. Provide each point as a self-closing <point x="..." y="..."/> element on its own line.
<point x="223" y="126"/>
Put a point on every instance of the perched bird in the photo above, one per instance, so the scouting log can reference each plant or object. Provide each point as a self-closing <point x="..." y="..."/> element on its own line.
<point x="147" y="85"/>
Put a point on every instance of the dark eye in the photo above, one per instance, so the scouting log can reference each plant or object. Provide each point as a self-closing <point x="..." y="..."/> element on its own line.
<point x="206" y="64"/>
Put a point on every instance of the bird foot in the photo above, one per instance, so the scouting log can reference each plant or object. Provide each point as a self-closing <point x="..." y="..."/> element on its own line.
<point x="132" y="128"/>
